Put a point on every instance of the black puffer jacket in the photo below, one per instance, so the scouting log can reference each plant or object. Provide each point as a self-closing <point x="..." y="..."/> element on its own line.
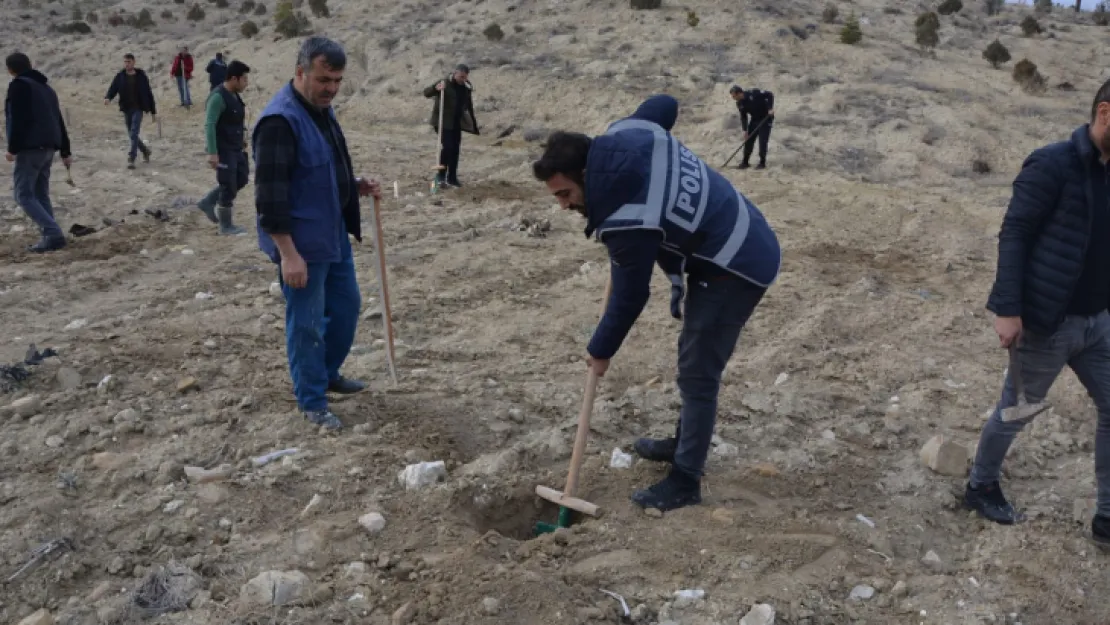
<point x="1045" y="233"/>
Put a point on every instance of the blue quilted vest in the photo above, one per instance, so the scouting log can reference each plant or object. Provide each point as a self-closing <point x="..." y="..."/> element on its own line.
<point x="697" y="209"/>
<point x="318" y="227"/>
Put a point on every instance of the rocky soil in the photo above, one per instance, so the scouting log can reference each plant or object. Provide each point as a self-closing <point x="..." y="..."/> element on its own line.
<point x="145" y="379"/>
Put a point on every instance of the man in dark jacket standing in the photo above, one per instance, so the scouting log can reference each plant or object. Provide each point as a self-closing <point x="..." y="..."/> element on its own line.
<point x="307" y="195"/>
<point x="651" y="200"/>
<point x="458" y="117"/>
<point x="182" y="72"/>
<point x="35" y="130"/>
<point x="757" y="113"/>
<point x="135" y="98"/>
<point x="225" y="138"/>
<point x="217" y="71"/>
<point x="1050" y="298"/>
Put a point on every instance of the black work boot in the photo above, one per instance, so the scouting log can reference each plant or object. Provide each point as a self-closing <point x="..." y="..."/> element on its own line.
<point x="131" y="162"/>
<point x="1100" y="531"/>
<point x="345" y="386"/>
<point x="146" y="154"/>
<point x="47" y="244"/>
<point x="226" y="227"/>
<point x="743" y="165"/>
<point x="991" y="504"/>
<point x="678" y="490"/>
<point x="656" y="449"/>
<point x="325" y="418"/>
<point x="762" y="165"/>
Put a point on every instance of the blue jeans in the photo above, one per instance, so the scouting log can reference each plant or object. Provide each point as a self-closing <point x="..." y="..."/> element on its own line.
<point x="133" y="119"/>
<point x="1082" y="343"/>
<point x="183" y="90"/>
<point x="320" y="323"/>
<point x="31" y="183"/>
<point x="715" y="313"/>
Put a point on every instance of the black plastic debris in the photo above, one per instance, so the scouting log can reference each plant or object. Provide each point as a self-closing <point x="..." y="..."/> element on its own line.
<point x="35" y="357"/>
<point x="79" y="230"/>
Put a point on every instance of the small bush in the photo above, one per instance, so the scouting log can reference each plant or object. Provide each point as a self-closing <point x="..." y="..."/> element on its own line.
<point x="319" y="8"/>
<point x="851" y="33"/>
<point x="1101" y="14"/>
<point x="75" y="27"/>
<point x="92" y="17"/>
<point x="248" y="29"/>
<point x="167" y="15"/>
<point x="246" y="7"/>
<point x="179" y="1"/>
<point x="222" y="4"/>
<point x="195" y="14"/>
<point x="830" y="13"/>
<point x="644" y="5"/>
<point x="144" y="19"/>
<point x="948" y="7"/>
<point x="115" y="19"/>
<point x="1030" y="26"/>
<point x="1027" y="75"/>
<point x="996" y="54"/>
<point x="1042" y="6"/>
<point x="692" y="19"/>
<point x="260" y="9"/>
<point x="993" y="7"/>
<point x="288" y="22"/>
<point x="77" y="14"/>
<point x="493" y="32"/>
<point x="980" y="166"/>
<point x="927" y="30"/>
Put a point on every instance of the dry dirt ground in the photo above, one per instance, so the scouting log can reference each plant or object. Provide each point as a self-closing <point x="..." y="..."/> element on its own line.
<point x="873" y="340"/>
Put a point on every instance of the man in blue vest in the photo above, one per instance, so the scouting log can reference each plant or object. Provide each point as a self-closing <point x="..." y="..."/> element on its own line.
<point x="651" y="200"/>
<point x="306" y="195"/>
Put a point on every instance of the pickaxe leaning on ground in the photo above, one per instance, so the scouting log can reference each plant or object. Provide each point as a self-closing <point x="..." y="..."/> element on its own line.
<point x="751" y="137"/>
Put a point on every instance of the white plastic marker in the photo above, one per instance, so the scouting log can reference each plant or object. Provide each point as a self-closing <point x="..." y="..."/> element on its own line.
<point x="383" y="287"/>
<point x="396" y="190"/>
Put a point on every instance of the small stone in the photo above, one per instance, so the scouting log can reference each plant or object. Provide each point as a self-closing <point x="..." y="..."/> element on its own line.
<point x="26" y="407"/>
<point x="1083" y="509"/>
<point x="69" y="378"/>
<point x="41" y="617"/>
<point x="312" y="505"/>
<point x="422" y="474"/>
<point x="688" y="597"/>
<point x="275" y="289"/>
<point x="198" y="475"/>
<point x="724" y="516"/>
<point x="187" y="384"/>
<point x="828" y="435"/>
<point x="76" y="324"/>
<point x="173" y="506"/>
<point x="765" y="470"/>
<point x="899" y="590"/>
<point x="654" y="513"/>
<point x="862" y="592"/>
<point x="944" y="456"/>
<point x="403" y="615"/>
<point x="760" y="614"/>
<point x="931" y="558"/>
<point x="276" y="588"/>
<point x="127" y="415"/>
<point x="54" y="441"/>
<point x="102" y="589"/>
<point x="116" y="565"/>
<point x="491" y="606"/>
<point x="373" y="522"/>
<point x="620" y="460"/>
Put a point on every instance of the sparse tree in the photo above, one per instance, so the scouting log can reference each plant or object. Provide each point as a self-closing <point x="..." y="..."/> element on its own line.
<point x="692" y="19"/>
<point x="1026" y="74"/>
<point x="927" y="30"/>
<point x="289" y="22"/>
<point x="996" y="54"/>
<point x="319" y="8"/>
<point x="1101" y="15"/>
<point x="493" y="32"/>
<point x="195" y="14"/>
<point x="1030" y="26"/>
<point x="830" y="13"/>
<point x="248" y="29"/>
<point x="851" y="34"/>
<point x="948" y="7"/>
<point x="993" y="7"/>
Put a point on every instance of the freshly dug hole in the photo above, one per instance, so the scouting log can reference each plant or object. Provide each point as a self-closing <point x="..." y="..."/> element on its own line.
<point x="511" y="514"/>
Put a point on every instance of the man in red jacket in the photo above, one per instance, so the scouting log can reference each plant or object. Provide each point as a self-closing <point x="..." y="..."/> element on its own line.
<point x="182" y="72"/>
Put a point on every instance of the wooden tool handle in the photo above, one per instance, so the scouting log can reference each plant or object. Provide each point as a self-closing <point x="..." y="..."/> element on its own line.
<point x="584" y="413"/>
<point x="387" y="314"/>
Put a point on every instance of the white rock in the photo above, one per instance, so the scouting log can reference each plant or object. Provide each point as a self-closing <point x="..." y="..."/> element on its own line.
<point x="173" y="506"/>
<point x="944" y="456"/>
<point x="26" y="407"/>
<point x="422" y="474"/>
<point x="275" y="588"/>
<point x="77" y="324"/>
<point x="899" y="589"/>
<point x="127" y="415"/>
<point x="373" y="522"/>
<point x="491" y="606"/>
<point x="931" y="558"/>
<point x="275" y="289"/>
<point x="783" y="377"/>
<point x="688" y="597"/>
<point x="41" y="617"/>
<point x="726" y="450"/>
<point x="828" y="435"/>
<point x="188" y="252"/>
<point x="312" y="505"/>
<point x="620" y="460"/>
<point x="760" y="614"/>
<point x="200" y="475"/>
<point x="54" y="441"/>
<point x="203" y="295"/>
<point x="862" y="592"/>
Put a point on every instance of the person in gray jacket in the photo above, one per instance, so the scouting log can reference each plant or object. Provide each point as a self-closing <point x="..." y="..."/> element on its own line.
<point x="35" y="129"/>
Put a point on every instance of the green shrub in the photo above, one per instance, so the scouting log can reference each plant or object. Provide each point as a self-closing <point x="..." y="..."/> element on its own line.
<point x="851" y="33"/>
<point x="248" y="29"/>
<point x="493" y="32"/>
<point x="195" y="14"/>
<point x="1027" y="75"/>
<point x="948" y="7"/>
<point x="288" y="22"/>
<point x="927" y="30"/>
<point x="830" y="13"/>
<point x="1030" y="26"/>
<point x="996" y="54"/>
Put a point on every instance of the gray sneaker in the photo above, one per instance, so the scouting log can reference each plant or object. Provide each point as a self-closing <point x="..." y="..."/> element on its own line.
<point x="325" y="418"/>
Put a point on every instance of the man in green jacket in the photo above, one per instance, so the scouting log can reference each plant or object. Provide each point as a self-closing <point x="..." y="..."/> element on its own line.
<point x="458" y="117"/>
<point x="225" y="138"/>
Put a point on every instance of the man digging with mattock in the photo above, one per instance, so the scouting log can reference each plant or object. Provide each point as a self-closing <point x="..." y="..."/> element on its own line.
<point x="649" y="199"/>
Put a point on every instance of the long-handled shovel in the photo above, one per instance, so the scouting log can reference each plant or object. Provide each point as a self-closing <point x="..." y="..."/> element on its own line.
<point x="440" y="168"/>
<point x="1023" y="410"/>
<point x="566" y="499"/>
<point x="383" y="288"/>
<point x="751" y="137"/>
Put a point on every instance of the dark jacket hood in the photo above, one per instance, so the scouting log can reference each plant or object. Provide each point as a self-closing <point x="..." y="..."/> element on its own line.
<point x="1081" y="139"/>
<point x="34" y="75"/>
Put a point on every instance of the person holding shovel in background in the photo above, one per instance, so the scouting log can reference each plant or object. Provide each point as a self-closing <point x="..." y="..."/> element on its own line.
<point x="650" y="200"/>
<point x="759" y="106"/>
<point x="307" y="197"/>
<point x="1050" y="297"/>
<point x="36" y="129"/>
<point x="225" y="139"/>
<point x="458" y="117"/>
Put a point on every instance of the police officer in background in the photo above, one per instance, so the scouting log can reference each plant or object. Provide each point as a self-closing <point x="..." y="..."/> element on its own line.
<point x="669" y="208"/>
<point x="757" y="113"/>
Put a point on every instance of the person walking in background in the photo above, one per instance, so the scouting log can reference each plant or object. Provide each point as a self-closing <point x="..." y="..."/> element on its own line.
<point x="458" y="117"/>
<point x="217" y="71"/>
<point x="757" y="113"/>
<point x="1050" y="297"/>
<point x="135" y="98"/>
<point x="182" y="71"/>
<point x="35" y="129"/>
<point x="307" y="198"/>
<point x="225" y="137"/>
